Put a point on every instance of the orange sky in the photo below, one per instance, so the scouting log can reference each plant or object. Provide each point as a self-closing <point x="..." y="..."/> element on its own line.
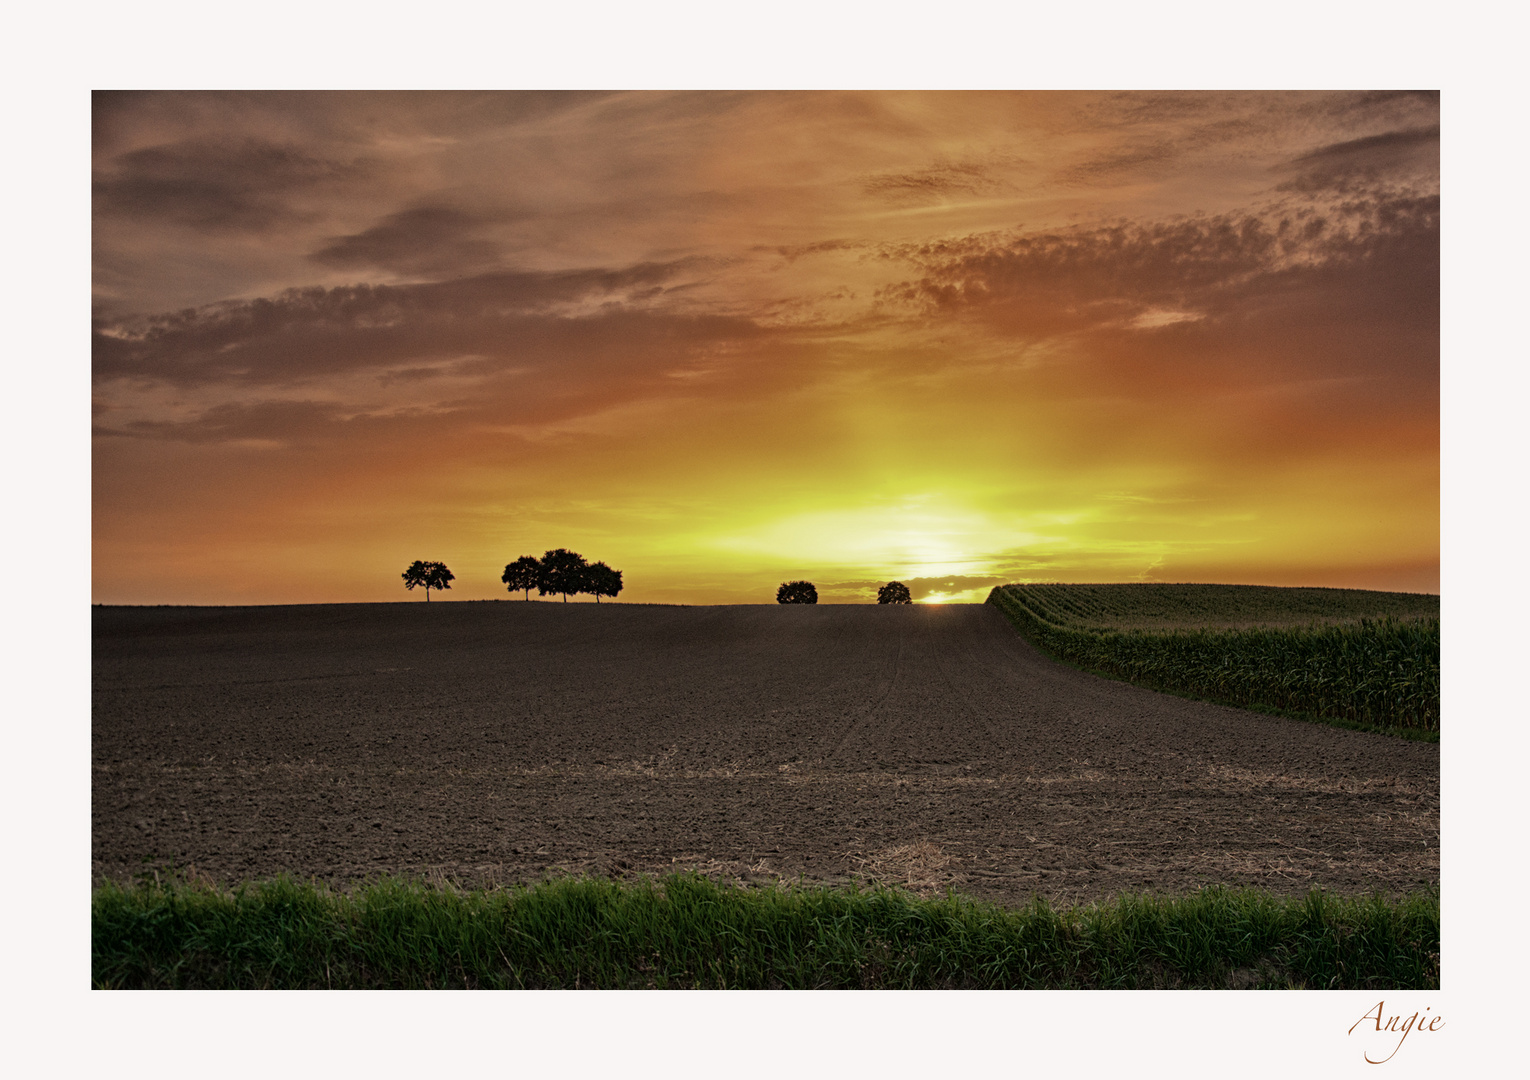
<point x="722" y="340"/>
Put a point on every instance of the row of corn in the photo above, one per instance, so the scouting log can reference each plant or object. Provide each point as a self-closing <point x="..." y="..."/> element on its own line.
<point x="1379" y="672"/>
<point x="1119" y="606"/>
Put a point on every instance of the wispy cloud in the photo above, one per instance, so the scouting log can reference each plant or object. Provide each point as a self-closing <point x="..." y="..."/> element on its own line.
<point x="1058" y="281"/>
<point x="420" y="240"/>
<point x="276" y="423"/>
<point x="938" y="181"/>
<point x="217" y="184"/>
<point x="303" y="335"/>
<point x="1355" y="163"/>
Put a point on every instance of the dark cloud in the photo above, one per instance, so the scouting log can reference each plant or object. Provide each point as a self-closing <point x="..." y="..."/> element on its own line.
<point x="1363" y="106"/>
<point x="522" y="370"/>
<point x="275" y="349"/>
<point x="404" y="376"/>
<point x="1057" y="281"/>
<point x="304" y="334"/>
<point x="936" y="182"/>
<point x="470" y="111"/>
<point x="1366" y="149"/>
<point x="791" y="253"/>
<point x="1357" y="163"/>
<point x="281" y="422"/>
<point x="499" y="349"/>
<point x="1252" y="299"/>
<point x="1129" y="163"/>
<point x="1135" y="108"/>
<point x="109" y="111"/>
<point x="215" y="185"/>
<point x="421" y="240"/>
<point x="1154" y="128"/>
<point x="1074" y="279"/>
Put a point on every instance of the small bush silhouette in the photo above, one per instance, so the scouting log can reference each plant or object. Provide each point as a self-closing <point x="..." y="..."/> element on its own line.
<point x="797" y="592"/>
<point x="894" y="592"/>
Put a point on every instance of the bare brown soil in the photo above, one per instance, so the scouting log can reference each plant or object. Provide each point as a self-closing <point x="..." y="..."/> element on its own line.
<point x="930" y="747"/>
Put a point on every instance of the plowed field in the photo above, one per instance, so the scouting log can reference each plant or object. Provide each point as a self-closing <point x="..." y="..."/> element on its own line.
<point x="495" y="742"/>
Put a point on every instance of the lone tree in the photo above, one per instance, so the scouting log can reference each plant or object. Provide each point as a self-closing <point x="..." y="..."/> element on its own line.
<point x="797" y="592"/>
<point x="562" y="571"/>
<point x="523" y="574"/>
<point x="432" y="575"/>
<point x="601" y="580"/>
<point x="894" y="592"/>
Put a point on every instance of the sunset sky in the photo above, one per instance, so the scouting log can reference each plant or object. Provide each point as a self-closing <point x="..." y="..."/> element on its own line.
<point x="724" y="340"/>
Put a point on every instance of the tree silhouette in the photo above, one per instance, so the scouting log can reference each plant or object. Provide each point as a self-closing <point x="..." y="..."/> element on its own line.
<point x="562" y="571"/>
<point x="797" y="592"/>
<point x="523" y="574"/>
<point x="601" y="580"/>
<point x="894" y="592"/>
<point x="432" y="575"/>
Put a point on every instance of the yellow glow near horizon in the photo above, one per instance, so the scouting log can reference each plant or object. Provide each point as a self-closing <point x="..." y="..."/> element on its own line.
<point x="914" y="540"/>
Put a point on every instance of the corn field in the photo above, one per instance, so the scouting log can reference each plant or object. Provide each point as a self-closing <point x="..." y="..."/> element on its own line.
<point x="1375" y="671"/>
<point x="1162" y="606"/>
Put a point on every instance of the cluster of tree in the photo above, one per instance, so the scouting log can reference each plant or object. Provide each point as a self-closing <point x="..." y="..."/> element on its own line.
<point x="432" y="575"/>
<point x="562" y="571"/>
<point x="565" y="572"/>
<point x="803" y="592"/>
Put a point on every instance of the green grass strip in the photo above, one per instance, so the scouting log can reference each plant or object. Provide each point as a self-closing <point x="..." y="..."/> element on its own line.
<point x="1376" y="674"/>
<point x="686" y="931"/>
